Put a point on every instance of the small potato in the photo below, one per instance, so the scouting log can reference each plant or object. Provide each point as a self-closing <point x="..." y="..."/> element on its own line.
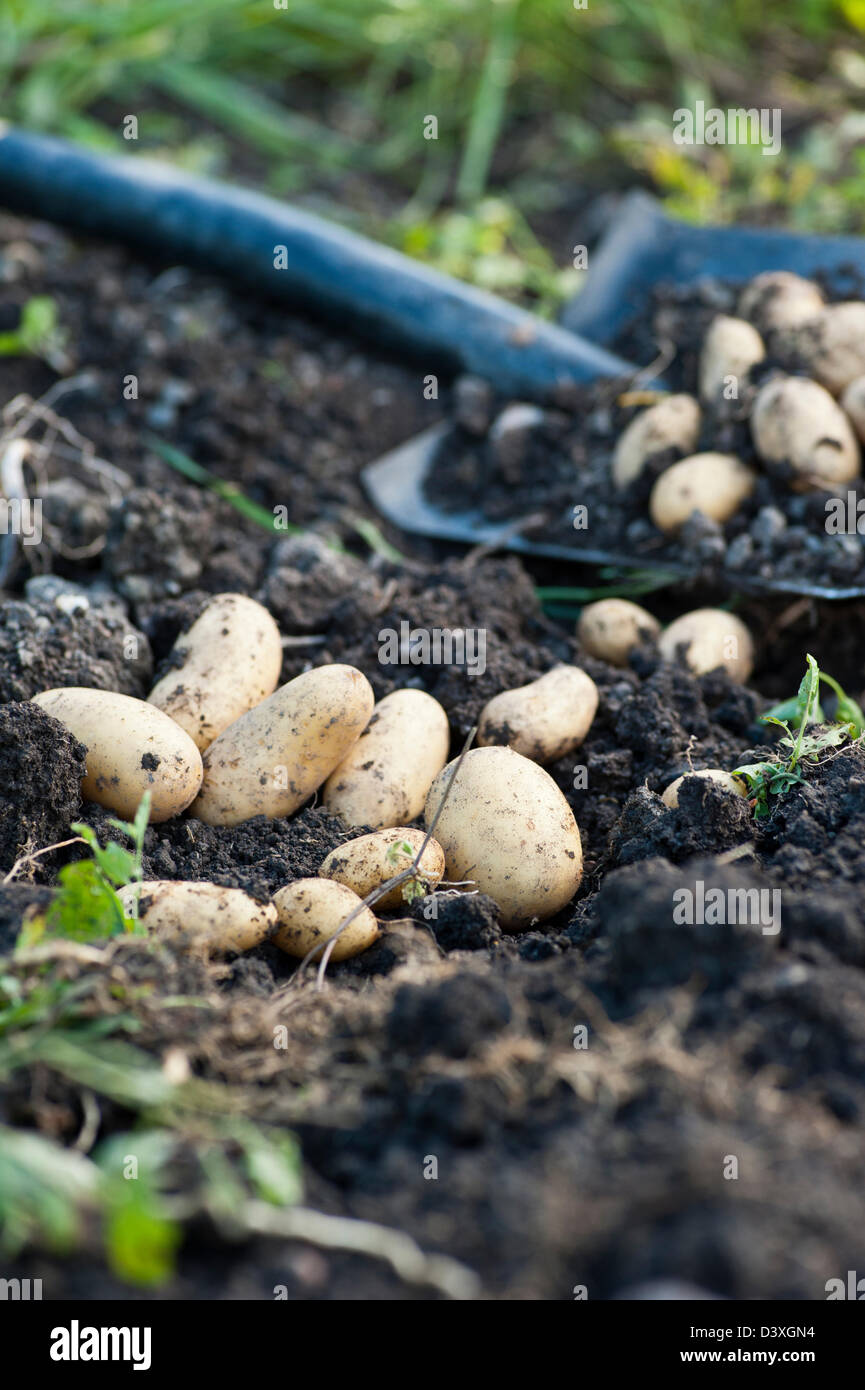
<point x="612" y="627"/>
<point x="275" y="756"/>
<point x="506" y="827"/>
<point x="228" y="661"/>
<point x="543" y="720"/>
<point x="132" y="748"/>
<point x="363" y="864"/>
<point x="672" y="423"/>
<point x="312" y="910"/>
<point x="218" y="919"/>
<point x="714" y="484"/>
<point x="800" y="432"/>
<point x="830" y="347"/>
<point x="853" y="405"/>
<point x="778" y="299"/>
<point x="384" y="778"/>
<point x="710" y="637"/>
<point x="730" y="349"/>
<point x="723" y="779"/>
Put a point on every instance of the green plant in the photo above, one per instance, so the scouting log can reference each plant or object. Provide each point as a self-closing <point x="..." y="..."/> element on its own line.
<point x="414" y="887"/>
<point x="38" y="333"/>
<point x="86" y="906"/>
<point x="777" y="774"/>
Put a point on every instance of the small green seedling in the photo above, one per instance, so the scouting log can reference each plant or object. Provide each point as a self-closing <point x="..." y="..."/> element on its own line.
<point x="38" y="333"/>
<point x="779" y="773"/>
<point x="414" y="887"/>
<point x="86" y="906"/>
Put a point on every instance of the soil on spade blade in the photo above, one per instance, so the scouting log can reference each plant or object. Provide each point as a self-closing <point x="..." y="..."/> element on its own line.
<point x="558" y="1165"/>
<point x="550" y="469"/>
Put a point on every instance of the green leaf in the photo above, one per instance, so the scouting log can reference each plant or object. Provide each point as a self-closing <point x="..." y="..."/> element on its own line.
<point x="85" y="908"/>
<point x="140" y="1240"/>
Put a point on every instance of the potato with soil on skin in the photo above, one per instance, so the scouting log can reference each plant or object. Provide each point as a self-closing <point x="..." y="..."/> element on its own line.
<point x="132" y="748"/>
<point x="227" y="662"/>
<point x="543" y="720"/>
<point x="803" y="435"/>
<point x="610" y="629"/>
<point x="366" y="863"/>
<point x="383" y="780"/>
<point x="671" y="423"/>
<point x="853" y="405"/>
<point x="830" y="347"/>
<point x="312" y="910"/>
<point x="714" y="484"/>
<point x="218" y="920"/>
<point x="507" y="828"/>
<point x="778" y="299"/>
<point x="717" y="775"/>
<point x="271" y="759"/>
<point x="708" y="638"/>
<point x="731" y="348"/>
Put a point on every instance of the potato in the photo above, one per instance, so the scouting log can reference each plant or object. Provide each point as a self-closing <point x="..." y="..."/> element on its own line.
<point x="723" y="779"/>
<point x="830" y="347"/>
<point x="778" y="299"/>
<point x="714" y="484"/>
<point x="710" y="637"/>
<point x="543" y="720"/>
<point x="384" y="779"/>
<point x="506" y="827"/>
<point x="672" y="423"/>
<point x="312" y="910"/>
<point x="275" y="756"/>
<point x="612" y="627"/>
<point x="800" y="432"/>
<point x="228" y="661"/>
<point x="363" y="864"/>
<point x="218" y="919"/>
<point x="730" y="349"/>
<point x="853" y="405"/>
<point x="132" y="748"/>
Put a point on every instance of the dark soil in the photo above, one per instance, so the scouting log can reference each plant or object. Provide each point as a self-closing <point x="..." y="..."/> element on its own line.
<point x="558" y="1165"/>
<point x="558" y="459"/>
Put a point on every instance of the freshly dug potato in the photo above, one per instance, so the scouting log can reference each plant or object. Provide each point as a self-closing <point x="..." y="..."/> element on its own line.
<point x="228" y="661"/>
<point x="132" y="748"/>
<point x="800" y="432"/>
<point x="778" y="299"/>
<point x="363" y="864"/>
<point x="275" y="756"/>
<point x="612" y="627"/>
<point x="714" y="484"/>
<point x="672" y="423"/>
<point x="507" y="827"/>
<point x="383" y="780"/>
<point x="218" y="919"/>
<point x="543" y="720"/>
<point x="730" y="349"/>
<point x="830" y="347"/>
<point x="853" y="405"/>
<point x="723" y="779"/>
<point x="312" y="910"/>
<point x="710" y="637"/>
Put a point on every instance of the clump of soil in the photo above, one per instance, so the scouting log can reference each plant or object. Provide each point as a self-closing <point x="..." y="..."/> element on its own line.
<point x="41" y="766"/>
<point x="42" y="647"/>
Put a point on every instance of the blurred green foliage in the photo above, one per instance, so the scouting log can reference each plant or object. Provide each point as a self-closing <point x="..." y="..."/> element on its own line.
<point x="536" y="101"/>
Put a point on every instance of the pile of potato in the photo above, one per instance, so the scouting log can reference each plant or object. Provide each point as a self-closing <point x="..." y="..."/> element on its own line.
<point x="216" y="738"/>
<point x="807" y="418"/>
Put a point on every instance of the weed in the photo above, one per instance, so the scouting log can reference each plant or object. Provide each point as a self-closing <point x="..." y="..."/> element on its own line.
<point x="38" y="334"/>
<point x="777" y="774"/>
<point x="86" y="906"/>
